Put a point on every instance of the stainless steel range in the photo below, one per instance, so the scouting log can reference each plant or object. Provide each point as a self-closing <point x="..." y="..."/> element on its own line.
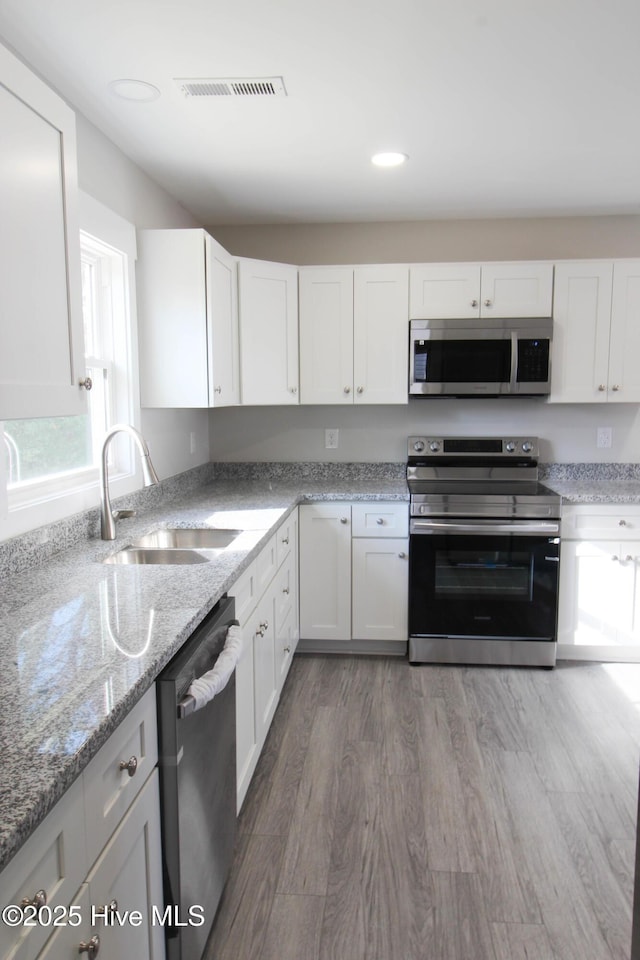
<point x="484" y="551"/>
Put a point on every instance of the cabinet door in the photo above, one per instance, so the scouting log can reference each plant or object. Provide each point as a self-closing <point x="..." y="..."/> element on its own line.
<point x="595" y="598"/>
<point x="129" y="873"/>
<point x="624" y="346"/>
<point x="326" y="335"/>
<point x="581" y="322"/>
<point x="325" y="571"/>
<point x="268" y="313"/>
<point x="444" y="290"/>
<point x="264" y="665"/>
<point x="223" y="337"/>
<point x="246" y="744"/>
<point x="380" y="589"/>
<point x="42" y="353"/>
<point x="172" y="318"/>
<point x="380" y="334"/>
<point x="516" y="290"/>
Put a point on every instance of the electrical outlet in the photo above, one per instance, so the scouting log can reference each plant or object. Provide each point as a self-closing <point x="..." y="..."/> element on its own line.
<point x="331" y="438"/>
<point x="604" y="438"/>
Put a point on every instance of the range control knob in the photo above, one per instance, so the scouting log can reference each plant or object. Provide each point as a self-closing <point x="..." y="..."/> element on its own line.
<point x="434" y="446"/>
<point x="510" y="447"/>
<point x="418" y="446"/>
<point x="527" y="447"/>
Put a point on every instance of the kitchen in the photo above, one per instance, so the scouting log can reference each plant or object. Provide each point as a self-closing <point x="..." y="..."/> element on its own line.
<point x="188" y="439"/>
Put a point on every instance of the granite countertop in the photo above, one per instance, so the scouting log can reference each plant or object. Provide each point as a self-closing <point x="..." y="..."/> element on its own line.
<point x="81" y="641"/>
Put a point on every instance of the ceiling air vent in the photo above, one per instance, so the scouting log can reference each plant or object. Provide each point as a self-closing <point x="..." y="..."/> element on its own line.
<point x="235" y="87"/>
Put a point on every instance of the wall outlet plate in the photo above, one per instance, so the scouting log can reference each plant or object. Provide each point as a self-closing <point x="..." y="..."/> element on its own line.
<point x="604" y="437"/>
<point x="331" y="437"/>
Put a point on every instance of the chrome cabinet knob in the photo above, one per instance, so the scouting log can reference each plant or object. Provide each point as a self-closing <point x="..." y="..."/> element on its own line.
<point x="287" y="649"/>
<point x="130" y="765"/>
<point x="602" y="387"/>
<point x="380" y="521"/>
<point x="285" y="540"/>
<point x="614" y="557"/>
<point x="217" y="389"/>
<point x="402" y="555"/>
<point x="615" y="387"/>
<point x="343" y="520"/>
<point x="91" y="947"/>
<point x="347" y="389"/>
<point x="87" y="383"/>
<point x="628" y="558"/>
<point x="293" y="390"/>
<point x="285" y="590"/>
<point x="488" y="303"/>
<point x="622" y="523"/>
<point x="360" y="389"/>
<point x="38" y="900"/>
<point x="474" y="303"/>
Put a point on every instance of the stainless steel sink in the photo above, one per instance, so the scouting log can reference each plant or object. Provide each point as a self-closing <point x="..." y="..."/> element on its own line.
<point x="157" y="555"/>
<point x="191" y="538"/>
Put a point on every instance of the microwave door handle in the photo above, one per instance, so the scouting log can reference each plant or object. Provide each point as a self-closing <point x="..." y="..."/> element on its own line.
<point x="514" y="361"/>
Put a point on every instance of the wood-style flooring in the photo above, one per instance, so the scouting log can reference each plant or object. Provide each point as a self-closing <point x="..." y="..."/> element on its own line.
<point x="439" y="813"/>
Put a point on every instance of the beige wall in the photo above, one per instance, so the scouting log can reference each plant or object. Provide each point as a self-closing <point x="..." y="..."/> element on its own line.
<point x="436" y="240"/>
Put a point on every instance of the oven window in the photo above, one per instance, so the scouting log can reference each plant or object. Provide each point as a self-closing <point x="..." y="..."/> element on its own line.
<point x="493" y="574"/>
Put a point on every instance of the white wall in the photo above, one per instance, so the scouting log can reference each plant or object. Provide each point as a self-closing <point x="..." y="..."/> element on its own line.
<point x="567" y="432"/>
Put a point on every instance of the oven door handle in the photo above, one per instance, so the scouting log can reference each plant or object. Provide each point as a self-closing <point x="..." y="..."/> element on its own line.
<point x="529" y="528"/>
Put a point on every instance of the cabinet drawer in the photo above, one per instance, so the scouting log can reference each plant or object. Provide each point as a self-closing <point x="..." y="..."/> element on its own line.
<point x="54" y="860"/>
<point x="266" y="565"/>
<point x="380" y="520"/>
<point x="109" y="790"/>
<point x="616" y="522"/>
<point x="245" y="591"/>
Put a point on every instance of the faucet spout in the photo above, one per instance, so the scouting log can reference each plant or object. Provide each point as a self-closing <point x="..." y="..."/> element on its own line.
<point x="108" y="516"/>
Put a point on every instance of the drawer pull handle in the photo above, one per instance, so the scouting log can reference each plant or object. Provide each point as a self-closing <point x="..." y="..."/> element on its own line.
<point x="39" y="900"/>
<point x="130" y="765"/>
<point x="92" y="947"/>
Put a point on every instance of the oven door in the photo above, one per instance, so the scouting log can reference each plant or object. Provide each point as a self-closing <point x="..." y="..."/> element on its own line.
<point x="485" y="579"/>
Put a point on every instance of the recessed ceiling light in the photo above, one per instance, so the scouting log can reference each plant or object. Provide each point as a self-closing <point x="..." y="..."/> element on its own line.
<point x="138" y="90"/>
<point x="389" y="159"/>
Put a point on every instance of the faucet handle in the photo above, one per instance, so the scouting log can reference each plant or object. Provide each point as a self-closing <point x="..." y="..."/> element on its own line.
<point x="122" y="514"/>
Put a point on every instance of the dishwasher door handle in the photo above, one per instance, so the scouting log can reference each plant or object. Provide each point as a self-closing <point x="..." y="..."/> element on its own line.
<point x="205" y="688"/>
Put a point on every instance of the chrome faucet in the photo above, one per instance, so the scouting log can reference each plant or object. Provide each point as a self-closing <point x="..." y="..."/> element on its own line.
<point x="108" y="516"/>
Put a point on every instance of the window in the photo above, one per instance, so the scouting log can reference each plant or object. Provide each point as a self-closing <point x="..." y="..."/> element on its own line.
<point x="58" y="457"/>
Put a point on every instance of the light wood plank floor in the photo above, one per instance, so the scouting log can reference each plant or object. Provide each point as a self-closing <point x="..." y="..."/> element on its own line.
<point x="439" y="813"/>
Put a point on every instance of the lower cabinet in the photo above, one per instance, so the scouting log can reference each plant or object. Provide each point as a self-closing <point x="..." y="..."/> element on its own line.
<point x="354" y="577"/>
<point x="599" y="605"/>
<point x="95" y="862"/>
<point x="266" y="595"/>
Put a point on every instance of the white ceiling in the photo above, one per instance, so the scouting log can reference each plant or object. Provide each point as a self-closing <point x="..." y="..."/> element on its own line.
<point x="505" y="107"/>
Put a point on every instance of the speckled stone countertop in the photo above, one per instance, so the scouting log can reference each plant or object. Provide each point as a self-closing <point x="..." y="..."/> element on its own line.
<point x="593" y="482"/>
<point x="81" y="641"/>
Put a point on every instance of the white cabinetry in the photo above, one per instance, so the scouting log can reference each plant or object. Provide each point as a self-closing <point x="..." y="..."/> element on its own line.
<point x="268" y="307"/>
<point x="354" y="577"/>
<point x="353" y="334"/>
<point x="599" y="606"/>
<point x="596" y="337"/>
<point x="267" y="609"/>
<point x="42" y="353"/>
<point x="188" y="320"/>
<point x="473" y="290"/>
<point x="99" y="848"/>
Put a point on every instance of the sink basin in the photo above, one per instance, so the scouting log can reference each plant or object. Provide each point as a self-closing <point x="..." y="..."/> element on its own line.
<point x="192" y="538"/>
<point x="156" y="555"/>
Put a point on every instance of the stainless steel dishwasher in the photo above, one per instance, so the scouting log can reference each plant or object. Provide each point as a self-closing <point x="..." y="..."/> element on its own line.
<point x="197" y="760"/>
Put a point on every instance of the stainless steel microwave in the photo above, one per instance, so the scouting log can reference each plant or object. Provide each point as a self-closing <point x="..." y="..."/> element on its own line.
<point x="480" y="358"/>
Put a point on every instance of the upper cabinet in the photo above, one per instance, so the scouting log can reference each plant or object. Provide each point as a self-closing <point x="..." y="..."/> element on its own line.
<point x="187" y="319"/>
<point x="42" y="353"/>
<point x="353" y="334"/>
<point x="268" y="304"/>
<point x="596" y="332"/>
<point x="472" y="290"/>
